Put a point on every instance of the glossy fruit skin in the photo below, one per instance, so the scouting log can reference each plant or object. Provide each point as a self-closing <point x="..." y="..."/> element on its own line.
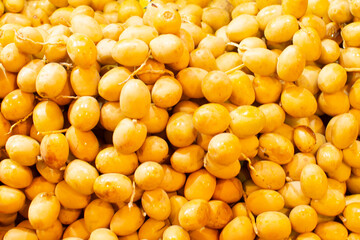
<point x="179" y="120"/>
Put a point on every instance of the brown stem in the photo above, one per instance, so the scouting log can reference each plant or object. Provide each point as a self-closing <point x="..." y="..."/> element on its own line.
<point x="3" y="70"/>
<point x="136" y="71"/>
<point x="352" y="69"/>
<point x="54" y="131"/>
<point x="66" y="97"/>
<point x="19" y="36"/>
<point x="235" y="68"/>
<point x="18" y="122"/>
<point x="251" y="216"/>
<point x="131" y="202"/>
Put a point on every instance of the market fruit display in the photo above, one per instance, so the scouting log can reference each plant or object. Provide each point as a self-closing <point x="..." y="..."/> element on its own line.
<point x="180" y="119"/>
